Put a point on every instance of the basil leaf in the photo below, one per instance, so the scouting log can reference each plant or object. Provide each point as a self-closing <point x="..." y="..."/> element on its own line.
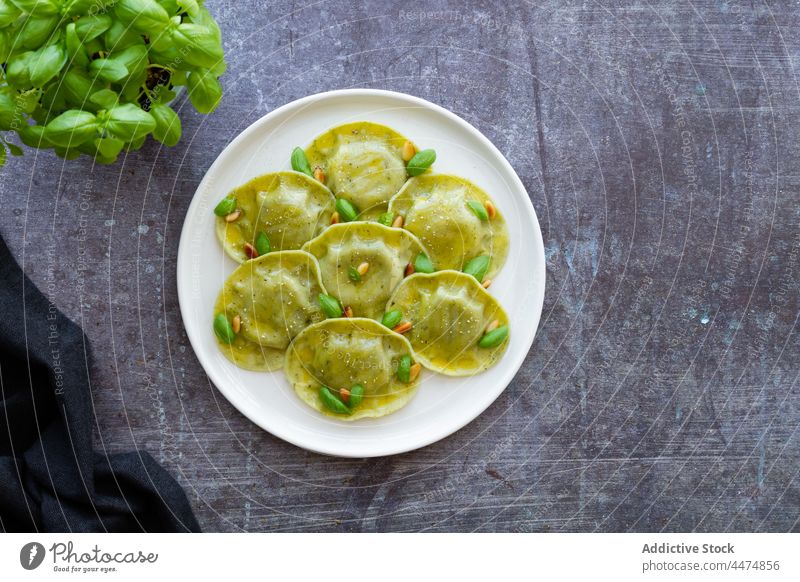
<point x="109" y="147"/>
<point x="15" y="150"/>
<point x="191" y="7"/>
<point x="199" y="45"/>
<point x="168" y="126"/>
<point x="205" y="91"/>
<point x="108" y="70"/>
<point x="133" y="57"/>
<point x="38" y="7"/>
<point x="90" y="27"/>
<point x="82" y="7"/>
<point x="18" y="69"/>
<point x="77" y="86"/>
<point x="105" y="98"/>
<point x="8" y="112"/>
<point x="71" y="128"/>
<point x="31" y="135"/>
<point x="35" y="31"/>
<point x="129" y="122"/>
<point x="67" y="153"/>
<point x="76" y="50"/>
<point x="47" y="63"/>
<point x="120" y="36"/>
<point x="28" y="100"/>
<point x="8" y="13"/>
<point x="146" y="16"/>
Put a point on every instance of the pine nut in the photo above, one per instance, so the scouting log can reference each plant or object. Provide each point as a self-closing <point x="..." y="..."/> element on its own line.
<point x="335" y="218"/>
<point x="493" y="326"/>
<point x="414" y="372"/>
<point x="250" y="251"/>
<point x="409" y="269"/>
<point x="348" y="311"/>
<point x="490" y="209"/>
<point x="408" y="151"/>
<point x="363" y="268"/>
<point x="486" y="283"/>
<point x="233" y="216"/>
<point x="319" y="175"/>
<point x="398" y="222"/>
<point x="237" y="324"/>
<point x="402" y="327"/>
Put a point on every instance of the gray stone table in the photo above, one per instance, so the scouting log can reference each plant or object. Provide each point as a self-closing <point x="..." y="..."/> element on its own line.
<point x="658" y="142"/>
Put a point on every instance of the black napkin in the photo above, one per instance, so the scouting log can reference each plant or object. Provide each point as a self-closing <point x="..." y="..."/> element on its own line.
<point x="51" y="480"/>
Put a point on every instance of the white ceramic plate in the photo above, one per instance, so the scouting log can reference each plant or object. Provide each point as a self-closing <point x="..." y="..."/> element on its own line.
<point x="442" y="405"/>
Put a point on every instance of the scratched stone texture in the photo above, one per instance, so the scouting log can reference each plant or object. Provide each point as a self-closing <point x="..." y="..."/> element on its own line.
<point x="659" y="145"/>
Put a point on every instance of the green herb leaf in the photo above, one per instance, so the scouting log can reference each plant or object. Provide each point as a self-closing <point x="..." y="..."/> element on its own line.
<point x="198" y="44"/>
<point x="422" y="264"/>
<point x="168" y="124"/>
<point x="3" y="155"/>
<point x="8" y="112"/>
<point x="386" y="218"/>
<point x="223" y="329"/>
<point x="205" y="91"/>
<point x="129" y="123"/>
<point x="300" y="162"/>
<point x="262" y="244"/>
<point x="332" y="402"/>
<point x="353" y="273"/>
<point x="82" y="7"/>
<point x="35" y="31"/>
<point x="15" y="150"/>
<point x="420" y="162"/>
<point x="404" y="369"/>
<point x="18" y="69"/>
<point x="478" y="267"/>
<point x="330" y="306"/>
<point x="191" y="7"/>
<point x="392" y="318"/>
<point x="479" y="210"/>
<point x="356" y="395"/>
<point x="47" y="63"/>
<point x="146" y="16"/>
<point x="346" y="210"/>
<point x="494" y="338"/>
<point x="8" y="13"/>
<point x="38" y="7"/>
<point x="105" y="98"/>
<point x="77" y="87"/>
<point x="90" y="27"/>
<point x="76" y="50"/>
<point x="71" y="128"/>
<point x="120" y="36"/>
<point x="109" y="147"/>
<point x="108" y="70"/>
<point x="225" y="206"/>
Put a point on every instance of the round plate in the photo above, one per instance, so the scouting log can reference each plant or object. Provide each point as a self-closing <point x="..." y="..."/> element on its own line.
<point x="442" y="405"/>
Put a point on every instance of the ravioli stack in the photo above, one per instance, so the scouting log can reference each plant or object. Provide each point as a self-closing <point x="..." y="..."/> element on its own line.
<point x="358" y="268"/>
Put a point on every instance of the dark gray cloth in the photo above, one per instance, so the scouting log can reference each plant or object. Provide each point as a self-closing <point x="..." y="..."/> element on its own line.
<point x="51" y="479"/>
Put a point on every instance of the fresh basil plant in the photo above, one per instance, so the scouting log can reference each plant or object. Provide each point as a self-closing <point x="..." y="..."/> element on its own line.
<point x="96" y="77"/>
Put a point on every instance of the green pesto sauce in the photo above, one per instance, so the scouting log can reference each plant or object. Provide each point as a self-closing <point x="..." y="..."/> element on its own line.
<point x="435" y="209"/>
<point x="340" y="353"/>
<point x="386" y="250"/>
<point x="449" y="312"/>
<point x="363" y="163"/>
<point x="275" y="297"/>
<point x="289" y="207"/>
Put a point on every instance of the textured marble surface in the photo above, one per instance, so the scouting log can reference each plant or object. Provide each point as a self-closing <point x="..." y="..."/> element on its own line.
<point x="659" y="144"/>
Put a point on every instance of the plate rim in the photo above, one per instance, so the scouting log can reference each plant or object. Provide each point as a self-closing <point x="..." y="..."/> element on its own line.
<point x="286" y="434"/>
